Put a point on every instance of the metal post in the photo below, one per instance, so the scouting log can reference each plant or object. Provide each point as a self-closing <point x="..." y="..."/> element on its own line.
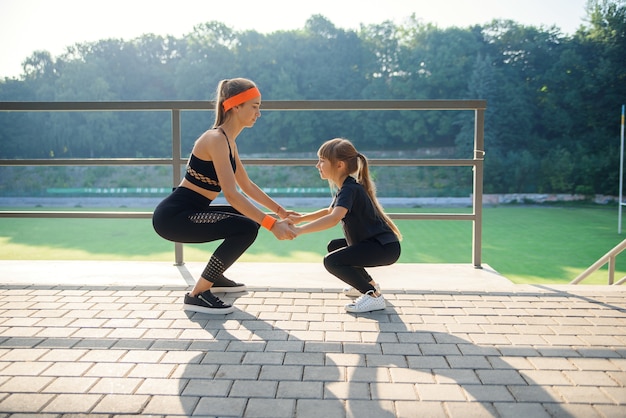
<point x="176" y="156"/>
<point x="621" y="174"/>
<point x="479" y="158"/>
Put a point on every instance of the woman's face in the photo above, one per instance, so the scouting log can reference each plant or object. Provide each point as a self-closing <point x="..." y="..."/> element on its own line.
<point x="250" y="111"/>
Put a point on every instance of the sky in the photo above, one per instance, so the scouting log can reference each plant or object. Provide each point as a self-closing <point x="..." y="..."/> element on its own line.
<point x="52" y="25"/>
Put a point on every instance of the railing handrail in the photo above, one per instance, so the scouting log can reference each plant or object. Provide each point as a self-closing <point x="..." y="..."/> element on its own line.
<point x="609" y="257"/>
<point x="177" y="162"/>
<point x="165" y="105"/>
<point x="454" y="162"/>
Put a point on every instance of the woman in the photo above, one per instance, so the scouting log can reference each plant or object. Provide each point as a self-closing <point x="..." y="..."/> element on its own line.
<point x="371" y="238"/>
<point x="187" y="215"/>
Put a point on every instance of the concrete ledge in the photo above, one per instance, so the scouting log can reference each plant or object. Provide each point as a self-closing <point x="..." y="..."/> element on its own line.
<point x="401" y="276"/>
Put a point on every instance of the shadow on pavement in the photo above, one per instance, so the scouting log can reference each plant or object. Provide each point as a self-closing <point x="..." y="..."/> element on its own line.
<point x="266" y="367"/>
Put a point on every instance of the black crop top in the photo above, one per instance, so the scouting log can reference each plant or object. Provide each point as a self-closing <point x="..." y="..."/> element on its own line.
<point x="202" y="173"/>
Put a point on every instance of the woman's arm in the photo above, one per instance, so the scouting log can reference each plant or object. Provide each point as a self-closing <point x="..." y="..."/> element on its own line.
<point x="255" y="193"/>
<point x="220" y="156"/>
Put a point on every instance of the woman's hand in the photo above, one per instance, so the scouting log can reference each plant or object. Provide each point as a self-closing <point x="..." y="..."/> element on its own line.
<point x="284" y="213"/>
<point x="284" y="229"/>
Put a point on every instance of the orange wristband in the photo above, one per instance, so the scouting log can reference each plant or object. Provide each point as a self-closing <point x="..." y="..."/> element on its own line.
<point x="268" y="222"/>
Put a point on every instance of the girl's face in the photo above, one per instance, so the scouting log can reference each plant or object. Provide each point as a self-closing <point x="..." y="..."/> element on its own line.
<point x="323" y="166"/>
<point x="328" y="170"/>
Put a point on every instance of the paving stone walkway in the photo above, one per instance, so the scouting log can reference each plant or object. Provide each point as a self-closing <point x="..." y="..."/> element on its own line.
<point x="114" y="350"/>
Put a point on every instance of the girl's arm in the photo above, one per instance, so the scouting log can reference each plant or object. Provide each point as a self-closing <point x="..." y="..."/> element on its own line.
<point x="308" y="217"/>
<point x="332" y="217"/>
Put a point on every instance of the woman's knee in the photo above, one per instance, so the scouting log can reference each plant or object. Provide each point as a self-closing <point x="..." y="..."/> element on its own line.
<point x="248" y="232"/>
<point x="253" y="231"/>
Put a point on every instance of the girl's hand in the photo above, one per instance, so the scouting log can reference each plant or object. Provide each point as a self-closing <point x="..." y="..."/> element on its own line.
<point x="295" y="218"/>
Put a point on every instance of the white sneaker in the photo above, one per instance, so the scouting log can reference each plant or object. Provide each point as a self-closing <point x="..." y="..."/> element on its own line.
<point x="351" y="292"/>
<point x="367" y="303"/>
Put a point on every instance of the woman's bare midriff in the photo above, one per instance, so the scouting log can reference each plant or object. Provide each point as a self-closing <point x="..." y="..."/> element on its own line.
<point x="206" y="193"/>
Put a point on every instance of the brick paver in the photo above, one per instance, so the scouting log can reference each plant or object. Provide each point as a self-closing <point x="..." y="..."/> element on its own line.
<point x="123" y="350"/>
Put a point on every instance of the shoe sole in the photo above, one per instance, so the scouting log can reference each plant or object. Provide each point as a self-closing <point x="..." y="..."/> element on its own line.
<point x="351" y="310"/>
<point x="229" y="289"/>
<point x="210" y="311"/>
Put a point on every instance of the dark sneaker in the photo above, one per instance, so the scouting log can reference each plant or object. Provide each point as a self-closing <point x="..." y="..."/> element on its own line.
<point x="206" y="302"/>
<point x="224" y="285"/>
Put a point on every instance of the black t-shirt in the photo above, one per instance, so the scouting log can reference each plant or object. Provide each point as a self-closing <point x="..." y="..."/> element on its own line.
<point x="361" y="222"/>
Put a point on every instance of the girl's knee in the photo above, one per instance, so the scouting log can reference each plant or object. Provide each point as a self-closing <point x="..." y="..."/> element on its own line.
<point x="330" y="263"/>
<point x="336" y="244"/>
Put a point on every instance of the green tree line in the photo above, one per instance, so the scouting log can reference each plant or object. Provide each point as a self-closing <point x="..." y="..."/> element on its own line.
<point x="553" y="100"/>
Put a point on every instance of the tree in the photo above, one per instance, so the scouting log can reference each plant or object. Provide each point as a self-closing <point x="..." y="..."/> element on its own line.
<point x="552" y="100"/>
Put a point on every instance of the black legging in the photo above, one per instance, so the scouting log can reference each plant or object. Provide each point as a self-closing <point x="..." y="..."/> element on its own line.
<point x="187" y="217"/>
<point x="348" y="262"/>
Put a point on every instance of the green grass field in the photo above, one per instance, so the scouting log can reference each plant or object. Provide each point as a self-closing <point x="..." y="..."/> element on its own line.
<point x="524" y="243"/>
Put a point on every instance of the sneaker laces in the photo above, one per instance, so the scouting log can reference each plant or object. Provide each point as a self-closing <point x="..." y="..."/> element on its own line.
<point x="362" y="298"/>
<point x="211" y="300"/>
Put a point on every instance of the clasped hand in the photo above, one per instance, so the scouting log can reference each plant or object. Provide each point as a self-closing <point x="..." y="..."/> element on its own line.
<point x="284" y="229"/>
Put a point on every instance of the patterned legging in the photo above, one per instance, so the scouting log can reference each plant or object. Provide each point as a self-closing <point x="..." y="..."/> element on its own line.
<point x="188" y="217"/>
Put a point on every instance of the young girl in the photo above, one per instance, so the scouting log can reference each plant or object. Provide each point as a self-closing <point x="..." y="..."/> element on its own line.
<point x="187" y="215"/>
<point x="371" y="238"/>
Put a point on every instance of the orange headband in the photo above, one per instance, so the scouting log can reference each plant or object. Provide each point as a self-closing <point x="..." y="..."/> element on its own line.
<point x="240" y="98"/>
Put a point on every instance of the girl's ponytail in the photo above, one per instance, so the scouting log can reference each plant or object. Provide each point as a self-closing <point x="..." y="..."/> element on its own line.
<point x="364" y="178"/>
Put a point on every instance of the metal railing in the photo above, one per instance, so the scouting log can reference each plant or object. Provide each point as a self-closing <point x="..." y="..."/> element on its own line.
<point x="606" y="258"/>
<point x="177" y="162"/>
